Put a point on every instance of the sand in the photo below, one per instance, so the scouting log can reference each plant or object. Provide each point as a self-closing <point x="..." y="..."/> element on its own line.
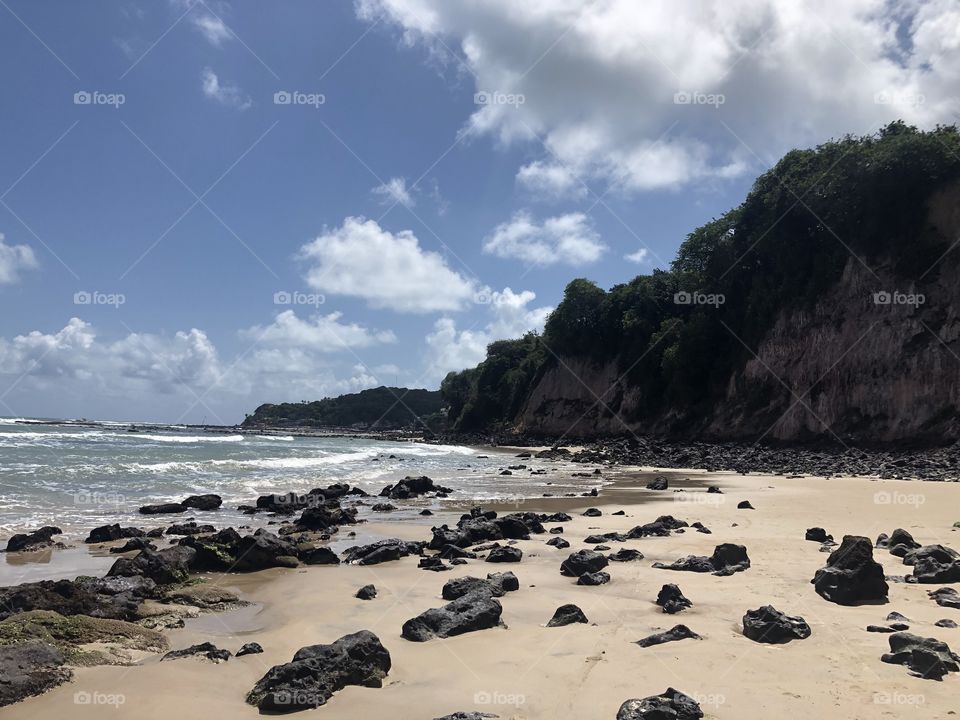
<point x="528" y="671"/>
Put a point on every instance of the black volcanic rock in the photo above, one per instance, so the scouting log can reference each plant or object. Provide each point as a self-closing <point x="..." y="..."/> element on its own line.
<point x="30" y="668"/>
<point x="818" y="534"/>
<point x="411" y="487"/>
<point x="106" y="533"/>
<point x="591" y="512"/>
<point x="472" y="612"/>
<point x="946" y="597"/>
<point x="318" y="671"/>
<point x="164" y="567"/>
<point x="625" y="555"/>
<point x="36" y="540"/>
<point x="727" y="559"/>
<point x="505" y="554"/>
<point x="250" y="648"/>
<point x="567" y="615"/>
<point x="935" y="564"/>
<point x="367" y="592"/>
<point x="672" y="600"/>
<point x="583" y="561"/>
<point x="677" y="632"/>
<point x="382" y="551"/>
<point x="594" y="578"/>
<point x="206" y="649"/>
<point x="745" y="505"/>
<point x="769" y="625"/>
<point x="926" y="658"/>
<point x="203" y="502"/>
<point x="163" y="508"/>
<point x="670" y="705"/>
<point x="659" y="483"/>
<point x="558" y="542"/>
<point x="851" y="575"/>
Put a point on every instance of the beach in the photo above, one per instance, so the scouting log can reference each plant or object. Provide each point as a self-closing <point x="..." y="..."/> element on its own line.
<point x="528" y="671"/>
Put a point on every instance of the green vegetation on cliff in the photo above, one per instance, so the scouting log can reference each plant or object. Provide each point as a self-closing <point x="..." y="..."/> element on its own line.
<point x="678" y="335"/>
<point x="378" y="408"/>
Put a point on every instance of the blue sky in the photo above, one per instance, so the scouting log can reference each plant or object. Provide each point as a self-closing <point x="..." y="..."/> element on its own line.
<point x="441" y="171"/>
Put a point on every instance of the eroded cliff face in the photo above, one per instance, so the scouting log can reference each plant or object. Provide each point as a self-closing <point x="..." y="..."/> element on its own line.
<point x="852" y="369"/>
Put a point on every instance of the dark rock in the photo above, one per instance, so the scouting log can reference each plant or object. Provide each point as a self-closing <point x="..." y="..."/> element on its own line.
<point x="324" y="517"/>
<point x="583" y="561"/>
<point x="411" y="487"/>
<point x="318" y="671"/>
<point x="207" y="650"/>
<point x="382" y="551"/>
<point x="163" y="509"/>
<point x="451" y="552"/>
<point x="659" y="483"/>
<point x="190" y="528"/>
<point x="935" y="564"/>
<point x="896" y="617"/>
<point x="476" y="611"/>
<point x="672" y="600"/>
<point x="556" y="531"/>
<point x="671" y="705"/>
<point x="367" y="592"/>
<point x="926" y="658"/>
<point x="851" y="575"/>
<point x="567" y="615"/>
<point x="433" y="563"/>
<point x="592" y="512"/>
<point x="460" y="715"/>
<point x="425" y="511"/>
<point x="558" y="542"/>
<point x="769" y="625"/>
<point x="594" y="578"/>
<point x="677" y="632"/>
<point x="946" y="597"/>
<point x="383" y="507"/>
<point x="625" y="555"/>
<point x="505" y="555"/>
<point x="902" y="537"/>
<point x="496" y="585"/>
<point x="727" y="559"/>
<point x="106" y="533"/>
<point x="170" y="565"/>
<point x="250" y="648"/>
<point x="203" y="502"/>
<point x="36" y="540"/>
<point x="946" y="623"/>
<point x="134" y="543"/>
<point x="818" y="534"/>
<point x="30" y="668"/>
<point x="320" y="556"/>
<point x="714" y="490"/>
<point x="555" y="518"/>
<point x="605" y="537"/>
<point x="745" y="505"/>
<point x="701" y="528"/>
<point x="880" y="629"/>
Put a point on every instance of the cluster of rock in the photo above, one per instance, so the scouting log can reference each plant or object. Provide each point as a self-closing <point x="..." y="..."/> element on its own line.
<point x="727" y="559"/>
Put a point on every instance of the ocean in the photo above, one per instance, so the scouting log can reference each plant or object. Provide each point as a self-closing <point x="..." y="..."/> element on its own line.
<point x="78" y="476"/>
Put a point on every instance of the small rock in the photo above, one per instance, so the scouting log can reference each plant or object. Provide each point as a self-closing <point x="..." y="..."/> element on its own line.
<point x="567" y="615"/>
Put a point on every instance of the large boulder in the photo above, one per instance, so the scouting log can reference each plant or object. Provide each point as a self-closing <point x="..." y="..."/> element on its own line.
<point x="381" y="551"/>
<point x="496" y="585"/>
<point x="727" y="559"/>
<point x="672" y="600"/>
<point x="926" y="658"/>
<point x="325" y="517"/>
<point x="107" y="533"/>
<point x="935" y="564"/>
<point x="36" y="540"/>
<point x="505" y="554"/>
<point x="318" y="671"/>
<point x="115" y="598"/>
<point x="769" y="625"/>
<point x="170" y="565"/>
<point x="30" y="668"/>
<point x="851" y="575"/>
<point x="480" y="527"/>
<point x="567" y="615"/>
<point x="581" y="562"/>
<point x="411" y="487"/>
<point x="670" y="705"/>
<point x="476" y="611"/>
<point x="203" y="502"/>
<point x="946" y="597"/>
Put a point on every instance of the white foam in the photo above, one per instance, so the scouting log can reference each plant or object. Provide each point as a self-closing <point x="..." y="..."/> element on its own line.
<point x="186" y="438"/>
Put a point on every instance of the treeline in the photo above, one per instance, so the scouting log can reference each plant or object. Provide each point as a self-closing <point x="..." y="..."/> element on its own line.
<point x="381" y="408"/>
<point x="679" y="334"/>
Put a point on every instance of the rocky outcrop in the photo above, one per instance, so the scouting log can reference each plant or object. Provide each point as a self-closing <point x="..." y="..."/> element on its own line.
<point x="318" y="671"/>
<point x="727" y="559"/>
<point x="851" y="575"/>
<point x="30" y="668"/>
<point x="926" y="658"/>
<point x="36" y="540"/>
<point x="476" y="611"/>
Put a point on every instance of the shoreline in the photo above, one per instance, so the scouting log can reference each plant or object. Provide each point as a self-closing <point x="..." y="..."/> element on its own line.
<point x="527" y="671"/>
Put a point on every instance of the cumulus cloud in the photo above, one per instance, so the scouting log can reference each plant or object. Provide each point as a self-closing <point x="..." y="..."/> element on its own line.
<point x="387" y="270"/>
<point x="550" y="181"/>
<point x="182" y="376"/>
<point x="202" y="17"/>
<point x="568" y="239"/>
<point x="395" y="191"/>
<point x="648" y="95"/>
<point x="225" y="94"/>
<point x="641" y="256"/>
<point x="510" y="316"/>
<point x="14" y="259"/>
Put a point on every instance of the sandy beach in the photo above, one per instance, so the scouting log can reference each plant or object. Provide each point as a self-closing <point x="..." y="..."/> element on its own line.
<point x="529" y="671"/>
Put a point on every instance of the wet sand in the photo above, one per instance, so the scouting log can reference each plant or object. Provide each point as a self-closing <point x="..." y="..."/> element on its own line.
<point x="527" y="671"/>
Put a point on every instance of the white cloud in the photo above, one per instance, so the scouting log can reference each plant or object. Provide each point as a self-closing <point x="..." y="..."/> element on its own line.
<point x="641" y="256"/>
<point x="387" y="270"/>
<point x="566" y="239"/>
<point x="550" y="181"/>
<point x="13" y="260"/>
<point x="225" y="94"/>
<point x="323" y="333"/>
<point x="212" y="28"/>
<point x="599" y="79"/>
<point x="451" y="349"/>
<point x="395" y="192"/>
<point x="146" y="376"/>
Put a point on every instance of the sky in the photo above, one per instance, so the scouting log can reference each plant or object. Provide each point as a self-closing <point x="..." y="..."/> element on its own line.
<point x="209" y="205"/>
